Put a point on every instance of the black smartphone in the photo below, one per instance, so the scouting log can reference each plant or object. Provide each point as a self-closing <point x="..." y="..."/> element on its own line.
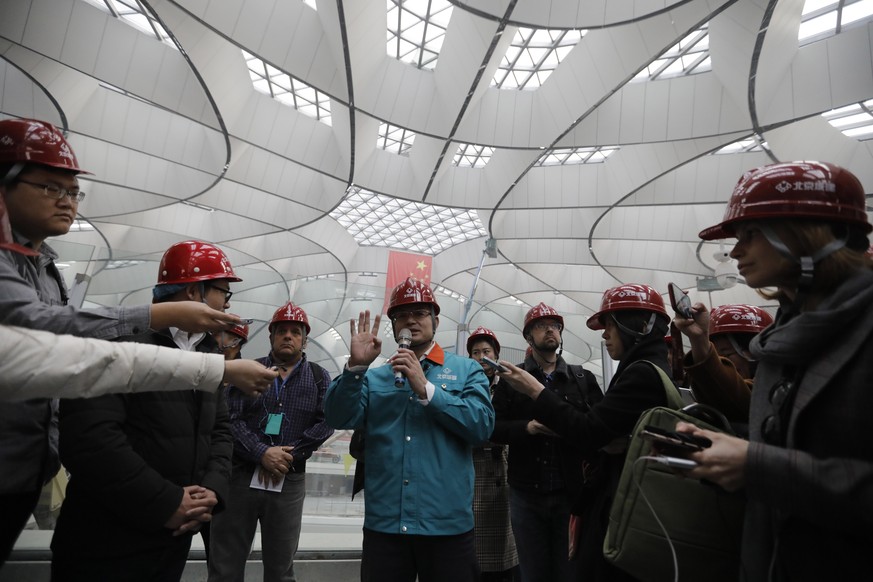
<point x="672" y="442"/>
<point x="680" y="301"/>
<point x="497" y="366"/>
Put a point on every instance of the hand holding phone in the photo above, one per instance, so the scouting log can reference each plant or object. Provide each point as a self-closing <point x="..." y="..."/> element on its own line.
<point x="497" y="366"/>
<point x="671" y="442"/>
<point x="680" y="301"/>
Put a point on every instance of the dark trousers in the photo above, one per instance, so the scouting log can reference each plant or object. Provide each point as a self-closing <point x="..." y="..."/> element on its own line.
<point x="165" y="565"/>
<point x="15" y="510"/>
<point x="540" y="524"/>
<point x="400" y="558"/>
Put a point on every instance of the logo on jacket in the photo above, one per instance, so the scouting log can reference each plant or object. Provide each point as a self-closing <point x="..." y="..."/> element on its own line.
<point x="446" y="374"/>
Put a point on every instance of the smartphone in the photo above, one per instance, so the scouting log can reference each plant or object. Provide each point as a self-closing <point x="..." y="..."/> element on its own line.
<point x="676" y="462"/>
<point x="680" y="301"/>
<point x="497" y="366"/>
<point x="243" y="321"/>
<point x="672" y="442"/>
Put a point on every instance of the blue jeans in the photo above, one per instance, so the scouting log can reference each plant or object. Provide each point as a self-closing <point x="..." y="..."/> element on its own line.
<point x="233" y="530"/>
<point x="540" y="522"/>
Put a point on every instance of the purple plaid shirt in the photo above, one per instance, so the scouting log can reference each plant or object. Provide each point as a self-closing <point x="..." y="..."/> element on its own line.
<point x="297" y="399"/>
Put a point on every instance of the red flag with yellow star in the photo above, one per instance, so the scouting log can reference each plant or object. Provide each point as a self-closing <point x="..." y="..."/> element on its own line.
<point x="403" y="265"/>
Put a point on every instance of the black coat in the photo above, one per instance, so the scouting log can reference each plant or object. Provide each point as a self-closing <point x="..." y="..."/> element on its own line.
<point x="129" y="457"/>
<point x="635" y="387"/>
<point x="513" y="412"/>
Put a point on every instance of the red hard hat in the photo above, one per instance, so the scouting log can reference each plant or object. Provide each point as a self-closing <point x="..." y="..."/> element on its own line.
<point x="240" y="330"/>
<point x="31" y="141"/>
<point x="7" y="240"/>
<point x="815" y="190"/>
<point x="540" y="311"/>
<point x="625" y="297"/>
<point x="412" y="291"/>
<point x="481" y="333"/>
<point x="193" y="261"/>
<point x="738" y="319"/>
<point x="291" y="313"/>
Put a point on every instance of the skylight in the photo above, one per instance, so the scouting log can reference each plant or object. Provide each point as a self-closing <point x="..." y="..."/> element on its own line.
<point x="383" y="221"/>
<point x="416" y="30"/>
<point x="751" y="144"/>
<point x="395" y="139"/>
<point x="472" y="156"/>
<point x="134" y="13"/>
<point x="570" y="156"/>
<point x="854" y="120"/>
<point x="532" y="57"/>
<point x="687" y="57"/>
<point x="823" y="18"/>
<point x="286" y="89"/>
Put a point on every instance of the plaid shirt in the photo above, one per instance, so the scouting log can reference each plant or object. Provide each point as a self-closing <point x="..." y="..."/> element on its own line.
<point x="297" y="399"/>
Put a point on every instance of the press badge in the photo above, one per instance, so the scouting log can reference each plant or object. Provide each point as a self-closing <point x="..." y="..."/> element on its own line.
<point x="274" y="423"/>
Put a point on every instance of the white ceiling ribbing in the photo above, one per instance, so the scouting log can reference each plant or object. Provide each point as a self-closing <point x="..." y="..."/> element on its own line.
<point x="287" y="169"/>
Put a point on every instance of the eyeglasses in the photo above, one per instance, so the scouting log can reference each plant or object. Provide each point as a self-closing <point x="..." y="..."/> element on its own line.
<point x="545" y="326"/>
<point x="771" y="428"/>
<point x="227" y="292"/>
<point x="56" y="193"/>
<point x="416" y="314"/>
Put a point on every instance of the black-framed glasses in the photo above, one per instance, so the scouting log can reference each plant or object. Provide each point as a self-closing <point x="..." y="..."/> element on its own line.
<point x="416" y="314"/>
<point x="772" y="427"/>
<point x="56" y="192"/>
<point x="227" y="292"/>
<point x="547" y="325"/>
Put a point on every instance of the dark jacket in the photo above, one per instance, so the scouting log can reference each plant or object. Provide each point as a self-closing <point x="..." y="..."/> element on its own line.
<point x="129" y="457"/>
<point x="514" y="410"/>
<point x="635" y="387"/>
<point x="809" y="514"/>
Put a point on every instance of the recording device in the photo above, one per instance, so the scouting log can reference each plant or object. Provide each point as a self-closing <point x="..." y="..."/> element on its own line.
<point x="496" y="365"/>
<point x="680" y="301"/>
<point x="675" y="462"/>
<point x="244" y="321"/>
<point x="404" y="340"/>
<point x="672" y="442"/>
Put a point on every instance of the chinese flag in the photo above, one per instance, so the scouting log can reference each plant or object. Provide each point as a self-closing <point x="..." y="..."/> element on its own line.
<point x="403" y="265"/>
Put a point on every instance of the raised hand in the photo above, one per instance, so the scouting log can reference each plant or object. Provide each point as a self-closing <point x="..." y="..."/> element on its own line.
<point x="366" y="345"/>
<point x="251" y="377"/>
<point x="697" y="330"/>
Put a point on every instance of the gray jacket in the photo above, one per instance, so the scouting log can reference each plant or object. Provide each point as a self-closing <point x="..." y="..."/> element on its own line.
<point x="810" y="502"/>
<point x="33" y="295"/>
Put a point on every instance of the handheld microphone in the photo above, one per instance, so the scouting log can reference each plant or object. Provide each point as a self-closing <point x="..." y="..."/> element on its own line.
<point x="404" y="340"/>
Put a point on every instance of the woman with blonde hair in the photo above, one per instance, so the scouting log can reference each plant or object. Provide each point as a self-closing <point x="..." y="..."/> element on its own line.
<point x="807" y="468"/>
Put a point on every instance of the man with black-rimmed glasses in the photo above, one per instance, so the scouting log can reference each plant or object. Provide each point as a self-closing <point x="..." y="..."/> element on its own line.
<point x="544" y="469"/>
<point x="148" y="469"/>
<point x="39" y="191"/>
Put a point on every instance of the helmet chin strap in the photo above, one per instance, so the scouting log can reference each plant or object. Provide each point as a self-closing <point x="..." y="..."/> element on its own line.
<point x="743" y="353"/>
<point x="13" y="173"/>
<point x="647" y="329"/>
<point x="807" y="263"/>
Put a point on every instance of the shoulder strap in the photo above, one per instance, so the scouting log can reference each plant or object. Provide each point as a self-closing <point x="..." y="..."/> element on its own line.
<point x="674" y="399"/>
<point x="317" y="373"/>
<point x="578" y="373"/>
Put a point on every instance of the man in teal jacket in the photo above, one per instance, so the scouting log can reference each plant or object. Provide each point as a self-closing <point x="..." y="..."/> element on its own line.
<point x="422" y="412"/>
